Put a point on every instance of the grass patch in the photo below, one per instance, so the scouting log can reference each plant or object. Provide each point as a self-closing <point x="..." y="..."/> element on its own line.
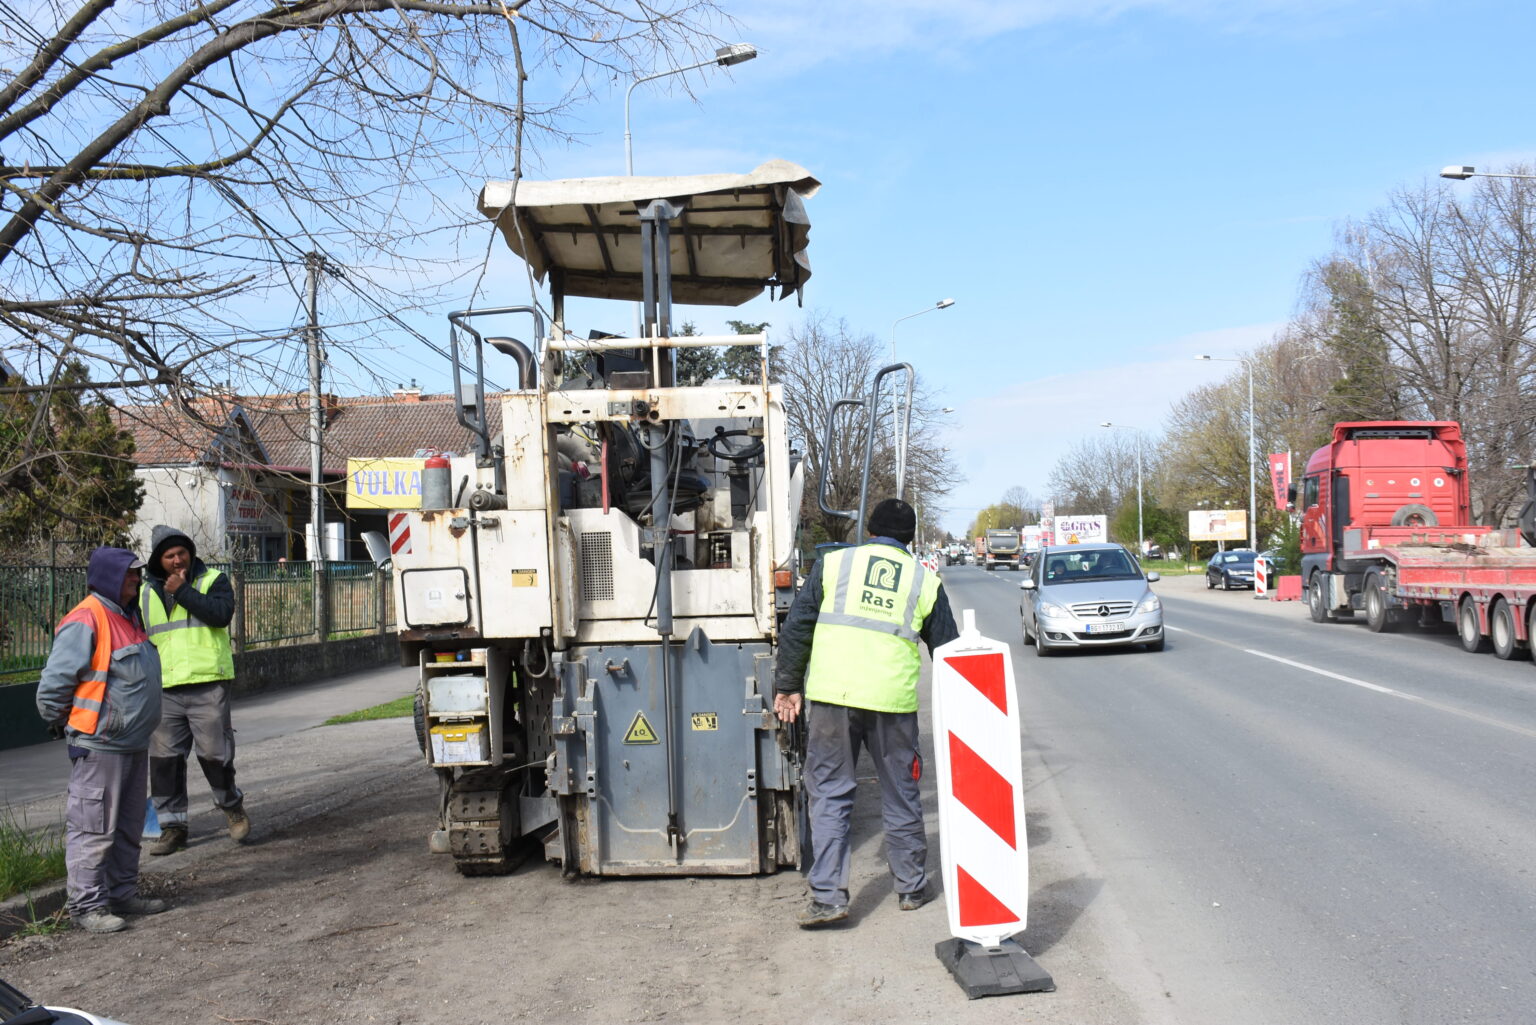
<point x="28" y="857"/>
<point x="1171" y="567"/>
<point x="395" y="709"/>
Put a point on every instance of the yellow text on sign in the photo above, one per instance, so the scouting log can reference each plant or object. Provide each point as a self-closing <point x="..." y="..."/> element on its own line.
<point x="640" y="731"/>
<point x="706" y="721"/>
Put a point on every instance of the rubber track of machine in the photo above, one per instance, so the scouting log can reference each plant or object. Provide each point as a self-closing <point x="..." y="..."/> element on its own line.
<point x="475" y="810"/>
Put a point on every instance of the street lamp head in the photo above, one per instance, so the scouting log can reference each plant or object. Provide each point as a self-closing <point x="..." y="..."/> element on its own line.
<point x="944" y="304"/>
<point x="735" y="53"/>
<point x="947" y="409"/>
<point x="1106" y="423"/>
<point x="1458" y="173"/>
<point x="1202" y="357"/>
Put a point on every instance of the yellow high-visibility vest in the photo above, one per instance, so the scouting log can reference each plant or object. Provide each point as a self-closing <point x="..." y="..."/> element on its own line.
<point x="874" y="601"/>
<point x="191" y="651"/>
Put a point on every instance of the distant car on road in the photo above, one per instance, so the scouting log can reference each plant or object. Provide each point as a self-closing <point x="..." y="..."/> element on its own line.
<point x="1230" y="569"/>
<point x="1090" y="596"/>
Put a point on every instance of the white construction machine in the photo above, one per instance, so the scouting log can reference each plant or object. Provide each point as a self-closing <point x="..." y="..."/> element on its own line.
<point x="594" y="595"/>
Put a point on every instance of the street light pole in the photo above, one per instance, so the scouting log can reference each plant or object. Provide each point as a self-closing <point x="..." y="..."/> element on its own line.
<point x="1141" y="537"/>
<point x="1253" y="494"/>
<point x="725" y="56"/>
<point x="898" y="441"/>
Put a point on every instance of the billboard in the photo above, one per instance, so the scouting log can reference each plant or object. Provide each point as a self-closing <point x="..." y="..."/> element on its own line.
<point x="1081" y="530"/>
<point x="248" y="511"/>
<point x="384" y="483"/>
<point x="1218" y="525"/>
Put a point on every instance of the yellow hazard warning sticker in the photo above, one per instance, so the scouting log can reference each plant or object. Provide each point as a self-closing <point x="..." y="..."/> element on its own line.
<point x="525" y="578"/>
<point x="640" y="731"/>
<point x="705" y="721"/>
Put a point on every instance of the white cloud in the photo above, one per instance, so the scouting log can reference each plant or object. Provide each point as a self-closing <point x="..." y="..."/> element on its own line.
<point x="1016" y="435"/>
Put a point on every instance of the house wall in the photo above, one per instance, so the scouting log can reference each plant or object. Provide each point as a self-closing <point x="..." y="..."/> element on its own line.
<point x="188" y="498"/>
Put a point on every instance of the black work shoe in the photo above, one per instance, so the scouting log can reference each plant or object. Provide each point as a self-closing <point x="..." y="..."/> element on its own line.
<point x="172" y="839"/>
<point x="816" y="914"/>
<point x="139" y="906"/>
<point x="912" y="901"/>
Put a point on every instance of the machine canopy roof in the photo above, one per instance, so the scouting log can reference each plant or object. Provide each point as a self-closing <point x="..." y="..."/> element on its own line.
<point x="738" y="233"/>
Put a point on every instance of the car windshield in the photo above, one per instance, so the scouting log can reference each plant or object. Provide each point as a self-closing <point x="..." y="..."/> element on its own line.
<point x="1077" y="566"/>
<point x="1240" y="558"/>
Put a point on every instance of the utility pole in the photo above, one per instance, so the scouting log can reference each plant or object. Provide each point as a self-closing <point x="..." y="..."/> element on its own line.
<point x="313" y="262"/>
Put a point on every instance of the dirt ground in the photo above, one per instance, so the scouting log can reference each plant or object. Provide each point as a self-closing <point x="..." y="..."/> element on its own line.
<point x="336" y="912"/>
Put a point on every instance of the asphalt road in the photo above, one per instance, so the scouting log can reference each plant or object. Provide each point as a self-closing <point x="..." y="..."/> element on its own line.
<point x="1298" y="822"/>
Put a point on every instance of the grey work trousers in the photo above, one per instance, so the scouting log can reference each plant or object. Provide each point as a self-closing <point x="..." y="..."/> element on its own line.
<point x="192" y="715"/>
<point x="103" y="824"/>
<point x="834" y="736"/>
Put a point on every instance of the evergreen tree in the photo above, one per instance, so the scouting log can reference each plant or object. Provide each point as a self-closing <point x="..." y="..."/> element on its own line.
<point x="69" y="468"/>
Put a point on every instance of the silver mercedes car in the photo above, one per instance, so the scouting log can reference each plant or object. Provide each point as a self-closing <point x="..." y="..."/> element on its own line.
<point x="1090" y="596"/>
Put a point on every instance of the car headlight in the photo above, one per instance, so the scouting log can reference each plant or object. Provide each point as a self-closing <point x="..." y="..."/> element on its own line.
<point x="1150" y="604"/>
<point x="1051" y="610"/>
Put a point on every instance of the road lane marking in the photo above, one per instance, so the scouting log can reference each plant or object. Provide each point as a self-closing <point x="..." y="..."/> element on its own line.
<point x="1474" y="716"/>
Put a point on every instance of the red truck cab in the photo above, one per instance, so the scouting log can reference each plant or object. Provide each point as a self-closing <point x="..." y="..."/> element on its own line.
<point x="1387" y="477"/>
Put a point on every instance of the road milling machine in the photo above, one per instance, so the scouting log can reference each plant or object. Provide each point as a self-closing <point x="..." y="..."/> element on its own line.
<point x="594" y="596"/>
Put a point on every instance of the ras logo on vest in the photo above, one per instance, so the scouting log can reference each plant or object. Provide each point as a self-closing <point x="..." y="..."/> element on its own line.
<point x="882" y="575"/>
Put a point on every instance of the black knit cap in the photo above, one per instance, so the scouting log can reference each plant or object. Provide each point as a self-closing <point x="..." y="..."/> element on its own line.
<point x="894" y="519"/>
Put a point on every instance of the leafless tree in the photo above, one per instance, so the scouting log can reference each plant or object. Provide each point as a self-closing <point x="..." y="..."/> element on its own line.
<point x="823" y="361"/>
<point x="165" y="166"/>
<point x="1096" y="474"/>
<point x="1429" y="305"/>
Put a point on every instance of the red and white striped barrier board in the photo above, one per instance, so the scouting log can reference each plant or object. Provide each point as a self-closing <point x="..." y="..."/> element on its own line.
<point x="1260" y="577"/>
<point x="399" y="533"/>
<point x="981" y="789"/>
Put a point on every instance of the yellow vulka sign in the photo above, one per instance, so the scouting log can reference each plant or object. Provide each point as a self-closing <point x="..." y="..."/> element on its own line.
<point x="384" y="483"/>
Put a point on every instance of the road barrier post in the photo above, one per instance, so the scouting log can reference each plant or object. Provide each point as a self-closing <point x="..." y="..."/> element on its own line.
<point x="983" y="849"/>
<point x="1260" y="577"/>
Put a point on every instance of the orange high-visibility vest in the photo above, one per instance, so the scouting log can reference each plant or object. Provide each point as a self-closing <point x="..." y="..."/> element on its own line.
<point x="113" y="633"/>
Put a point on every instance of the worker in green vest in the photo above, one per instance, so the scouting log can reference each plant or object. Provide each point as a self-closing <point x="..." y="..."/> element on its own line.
<point x="187" y="608"/>
<point x="848" y="661"/>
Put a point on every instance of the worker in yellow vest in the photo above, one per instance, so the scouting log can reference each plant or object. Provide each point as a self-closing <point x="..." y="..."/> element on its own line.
<point x="187" y="609"/>
<point x="101" y="691"/>
<point x="848" y="660"/>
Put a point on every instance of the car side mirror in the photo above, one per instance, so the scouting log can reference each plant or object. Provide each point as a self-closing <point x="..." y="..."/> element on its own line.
<point x="1026" y="584"/>
<point x="1154" y="576"/>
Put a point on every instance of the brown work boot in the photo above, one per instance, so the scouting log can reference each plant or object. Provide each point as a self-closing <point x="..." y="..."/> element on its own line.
<point x="172" y="839"/>
<point x="239" y="822"/>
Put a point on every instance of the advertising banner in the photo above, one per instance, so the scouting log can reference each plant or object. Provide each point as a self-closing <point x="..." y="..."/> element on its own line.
<point x="1081" y="530"/>
<point x="247" y="511"/>
<point x="384" y="483"/>
<point x="1280" y="476"/>
<point x="1218" y="524"/>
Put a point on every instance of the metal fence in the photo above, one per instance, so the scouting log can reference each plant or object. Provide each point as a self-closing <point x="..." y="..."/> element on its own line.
<point x="275" y="603"/>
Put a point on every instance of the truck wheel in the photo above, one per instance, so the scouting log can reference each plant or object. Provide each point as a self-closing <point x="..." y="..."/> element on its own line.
<point x="1378" y="617"/>
<point x="1501" y="629"/>
<point x="1467" y="627"/>
<point x="1415" y="515"/>
<point x="1315" y="607"/>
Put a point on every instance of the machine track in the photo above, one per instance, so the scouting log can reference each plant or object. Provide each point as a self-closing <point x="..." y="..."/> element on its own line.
<point x="482" y="823"/>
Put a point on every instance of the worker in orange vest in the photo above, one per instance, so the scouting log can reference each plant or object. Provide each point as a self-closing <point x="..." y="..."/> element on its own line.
<point x="101" y="691"/>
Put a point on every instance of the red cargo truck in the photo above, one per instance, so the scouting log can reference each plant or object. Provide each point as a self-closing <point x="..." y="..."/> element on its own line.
<point x="1386" y="529"/>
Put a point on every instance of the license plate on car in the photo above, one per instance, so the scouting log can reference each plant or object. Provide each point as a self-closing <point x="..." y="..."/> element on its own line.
<point x="1106" y="628"/>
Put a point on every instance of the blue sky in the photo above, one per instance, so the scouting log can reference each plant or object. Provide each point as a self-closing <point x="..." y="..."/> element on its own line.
<point x="1105" y="188"/>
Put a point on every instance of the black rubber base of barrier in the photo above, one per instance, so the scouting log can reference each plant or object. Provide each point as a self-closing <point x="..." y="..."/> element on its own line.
<point x="993" y="971"/>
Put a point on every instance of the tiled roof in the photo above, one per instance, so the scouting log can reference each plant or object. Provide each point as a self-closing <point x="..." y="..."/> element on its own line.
<point x="278" y="425"/>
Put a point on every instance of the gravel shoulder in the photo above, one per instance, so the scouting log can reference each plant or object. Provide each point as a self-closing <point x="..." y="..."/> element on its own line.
<point x="336" y="912"/>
